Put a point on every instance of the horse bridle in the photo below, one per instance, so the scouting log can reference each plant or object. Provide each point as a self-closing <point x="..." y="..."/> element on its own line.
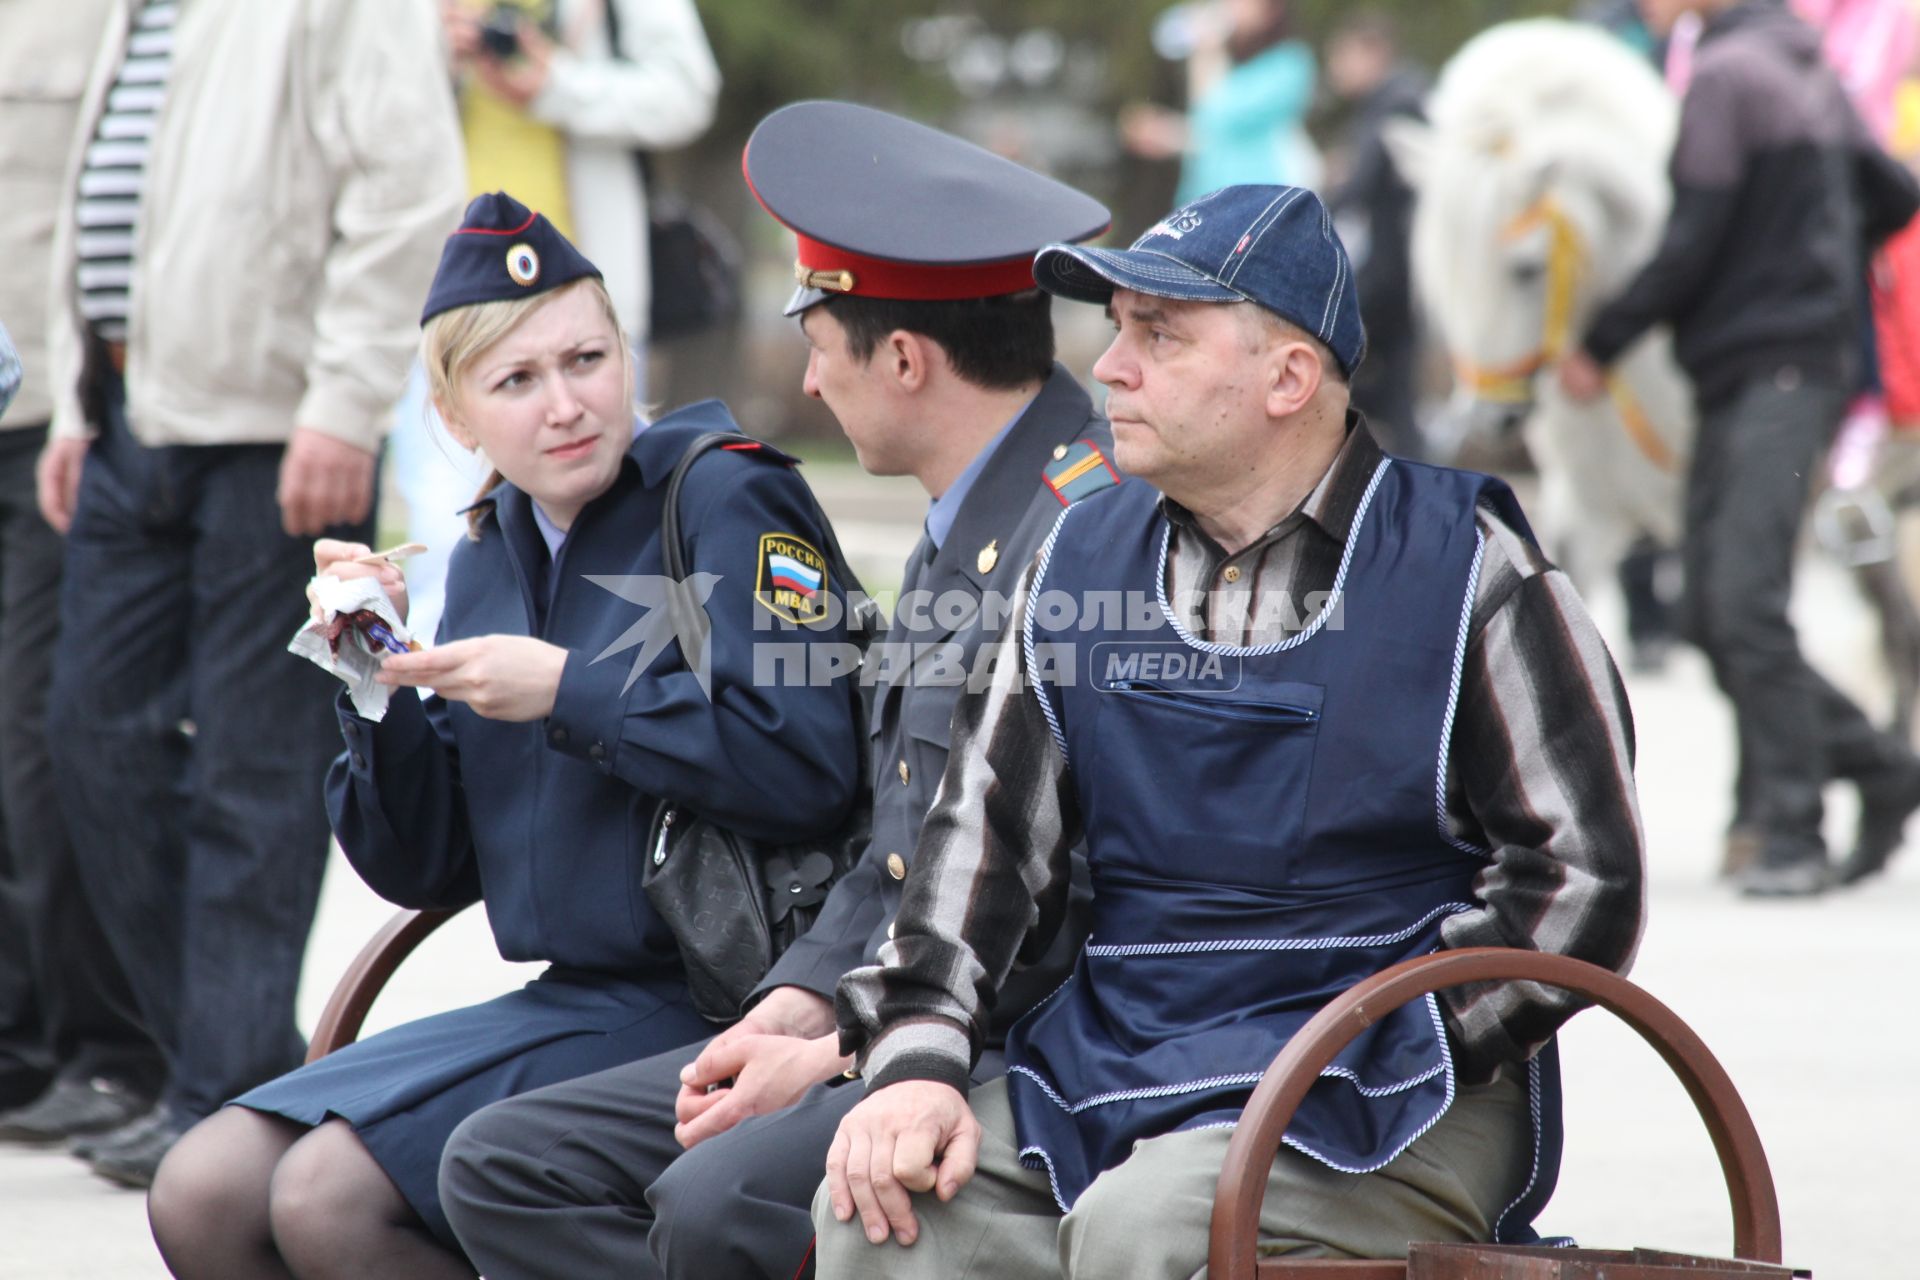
<point x="1512" y="383"/>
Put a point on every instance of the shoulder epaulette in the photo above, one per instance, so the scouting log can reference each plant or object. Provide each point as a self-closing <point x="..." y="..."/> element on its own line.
<point x="1078" y="470"/>
<point x="759" y="449"/>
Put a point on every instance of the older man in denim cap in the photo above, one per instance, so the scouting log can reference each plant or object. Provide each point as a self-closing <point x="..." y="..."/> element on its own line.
<point x="1345" y="714"/>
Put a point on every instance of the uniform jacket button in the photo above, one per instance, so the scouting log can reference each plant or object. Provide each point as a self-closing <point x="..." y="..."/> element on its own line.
<point x="558" y="737"/>
<point x="359" y="762"/>
<point x="906" y="774"/>
<point x="596" y="753"/>
<point x="896" y="866"/>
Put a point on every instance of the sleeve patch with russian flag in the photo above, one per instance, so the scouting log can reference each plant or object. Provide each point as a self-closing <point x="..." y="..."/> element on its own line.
<point x="1079" y="471"/>
<point x="792" y="582"/>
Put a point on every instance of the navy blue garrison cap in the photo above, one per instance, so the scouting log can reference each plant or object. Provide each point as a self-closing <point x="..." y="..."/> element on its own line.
<point x="888" y="208"/>
<point x="502" y="250"/>
<point x="1272" y="246"/>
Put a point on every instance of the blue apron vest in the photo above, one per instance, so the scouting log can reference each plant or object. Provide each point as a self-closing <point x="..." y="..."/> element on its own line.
<point x="1265" y="827"/>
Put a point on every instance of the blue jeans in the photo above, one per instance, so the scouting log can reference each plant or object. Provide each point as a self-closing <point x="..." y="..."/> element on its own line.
<point x="190" y="747"/>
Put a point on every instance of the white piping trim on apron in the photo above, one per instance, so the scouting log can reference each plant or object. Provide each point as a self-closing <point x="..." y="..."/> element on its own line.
<point x="1072" y="973"/>
<point x="1133" y="1095"/>
<point x="1053" y="1182"/>
<point x="1453" y="700"/>
<point x="1446" y="1105"/>
<point x="1026" y="646"/>
<point x="1245" y="1079"/>
<point x="1445" y="1066"/>
<point x="1276" y="944"/>
<point x="1533" y="1174"/>
<point x="1384" y="1090"/>
<point x="1319" y="619"/>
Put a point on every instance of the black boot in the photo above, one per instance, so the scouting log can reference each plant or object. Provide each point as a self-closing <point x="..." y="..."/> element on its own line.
<point x="1887" y="800"/>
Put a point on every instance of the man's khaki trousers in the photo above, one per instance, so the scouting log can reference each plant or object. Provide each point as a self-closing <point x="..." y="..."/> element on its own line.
<point x="1148" y="1217"/>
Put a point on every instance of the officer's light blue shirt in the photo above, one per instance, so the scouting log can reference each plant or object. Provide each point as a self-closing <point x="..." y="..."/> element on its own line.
<point x="946" y="508"/>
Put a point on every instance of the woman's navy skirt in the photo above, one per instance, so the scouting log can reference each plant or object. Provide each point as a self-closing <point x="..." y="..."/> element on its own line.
<point x="404" y="1090"/>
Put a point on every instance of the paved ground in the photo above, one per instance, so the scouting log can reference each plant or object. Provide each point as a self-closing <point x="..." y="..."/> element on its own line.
<point x="1810" y="1006"/>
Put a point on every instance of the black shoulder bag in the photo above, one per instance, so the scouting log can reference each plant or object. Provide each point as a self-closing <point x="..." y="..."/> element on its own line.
<point x="694" y="261"/>
<point x="735" y="903"/>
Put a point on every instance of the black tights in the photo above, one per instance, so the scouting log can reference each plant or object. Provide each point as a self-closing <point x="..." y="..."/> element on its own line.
<point x="246" y="1196"/>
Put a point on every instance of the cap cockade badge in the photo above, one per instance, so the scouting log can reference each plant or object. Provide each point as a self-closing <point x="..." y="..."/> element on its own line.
<point x="523" y="264"/>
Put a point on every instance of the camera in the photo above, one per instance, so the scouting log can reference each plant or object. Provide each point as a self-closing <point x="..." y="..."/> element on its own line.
<point x="500" y="33"/>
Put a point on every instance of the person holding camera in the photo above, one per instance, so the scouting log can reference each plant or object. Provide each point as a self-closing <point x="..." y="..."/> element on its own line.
<point x="555" y="98"/>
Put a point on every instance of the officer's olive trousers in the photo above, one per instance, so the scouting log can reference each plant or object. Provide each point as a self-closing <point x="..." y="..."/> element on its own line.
<point x="1148" y="1217"/>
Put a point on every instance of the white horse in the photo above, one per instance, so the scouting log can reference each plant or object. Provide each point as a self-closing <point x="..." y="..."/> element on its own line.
<point x="1542" y="189"/>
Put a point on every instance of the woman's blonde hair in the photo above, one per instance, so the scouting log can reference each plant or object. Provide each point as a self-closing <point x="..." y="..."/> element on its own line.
<point x="454" y="339"/>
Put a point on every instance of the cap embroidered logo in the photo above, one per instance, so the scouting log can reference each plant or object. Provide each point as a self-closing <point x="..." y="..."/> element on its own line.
<point x="1175" y="226"/>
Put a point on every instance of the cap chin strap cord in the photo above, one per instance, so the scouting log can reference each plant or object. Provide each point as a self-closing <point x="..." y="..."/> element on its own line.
<point x="1513" y="383"/>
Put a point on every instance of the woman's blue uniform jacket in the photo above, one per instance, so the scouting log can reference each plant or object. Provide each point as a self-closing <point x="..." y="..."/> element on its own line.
<point x="436" y="806"/>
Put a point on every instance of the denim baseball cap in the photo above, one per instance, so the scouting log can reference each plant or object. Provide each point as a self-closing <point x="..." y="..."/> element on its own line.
<point x="1269" y="245"/>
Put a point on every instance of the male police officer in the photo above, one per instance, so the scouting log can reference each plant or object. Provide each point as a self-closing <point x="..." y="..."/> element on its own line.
<point x="1391" y="727"/>
<point x="934" y="350"/>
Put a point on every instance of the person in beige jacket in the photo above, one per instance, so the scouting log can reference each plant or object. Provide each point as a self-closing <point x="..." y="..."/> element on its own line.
<point x="73" y="1058"/>
<point x="252" y="211"/>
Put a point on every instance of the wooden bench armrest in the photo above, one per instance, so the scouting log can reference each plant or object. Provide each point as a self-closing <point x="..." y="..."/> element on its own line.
<point x="1243" y="1179"/>
<point x="367" y="977"/>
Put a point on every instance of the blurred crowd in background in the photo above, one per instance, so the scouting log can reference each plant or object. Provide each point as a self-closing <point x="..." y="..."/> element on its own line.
<point x="152" y="921"/>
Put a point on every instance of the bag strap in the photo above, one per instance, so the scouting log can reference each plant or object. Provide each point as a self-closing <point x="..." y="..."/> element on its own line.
<point x="863" y="621"/>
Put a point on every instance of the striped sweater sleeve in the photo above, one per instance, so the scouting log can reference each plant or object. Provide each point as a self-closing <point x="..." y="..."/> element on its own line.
<point x="988" y="887"/>
<point x="1540" y="775"/>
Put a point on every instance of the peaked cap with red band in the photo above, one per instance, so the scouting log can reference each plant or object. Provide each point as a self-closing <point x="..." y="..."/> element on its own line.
<point x="502" y="250"/>
<point x="887" y="208"/>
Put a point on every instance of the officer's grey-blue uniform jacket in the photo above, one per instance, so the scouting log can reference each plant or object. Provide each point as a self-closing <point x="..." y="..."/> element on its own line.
<point x="1012" y="508"/>
<point x="436" y="806"/>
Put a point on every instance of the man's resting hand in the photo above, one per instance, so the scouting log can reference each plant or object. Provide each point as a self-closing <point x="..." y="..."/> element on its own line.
<point x="917" y="1135"/>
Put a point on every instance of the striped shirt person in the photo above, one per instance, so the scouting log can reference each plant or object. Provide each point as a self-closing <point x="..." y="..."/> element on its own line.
<point x="114" y="172"/>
